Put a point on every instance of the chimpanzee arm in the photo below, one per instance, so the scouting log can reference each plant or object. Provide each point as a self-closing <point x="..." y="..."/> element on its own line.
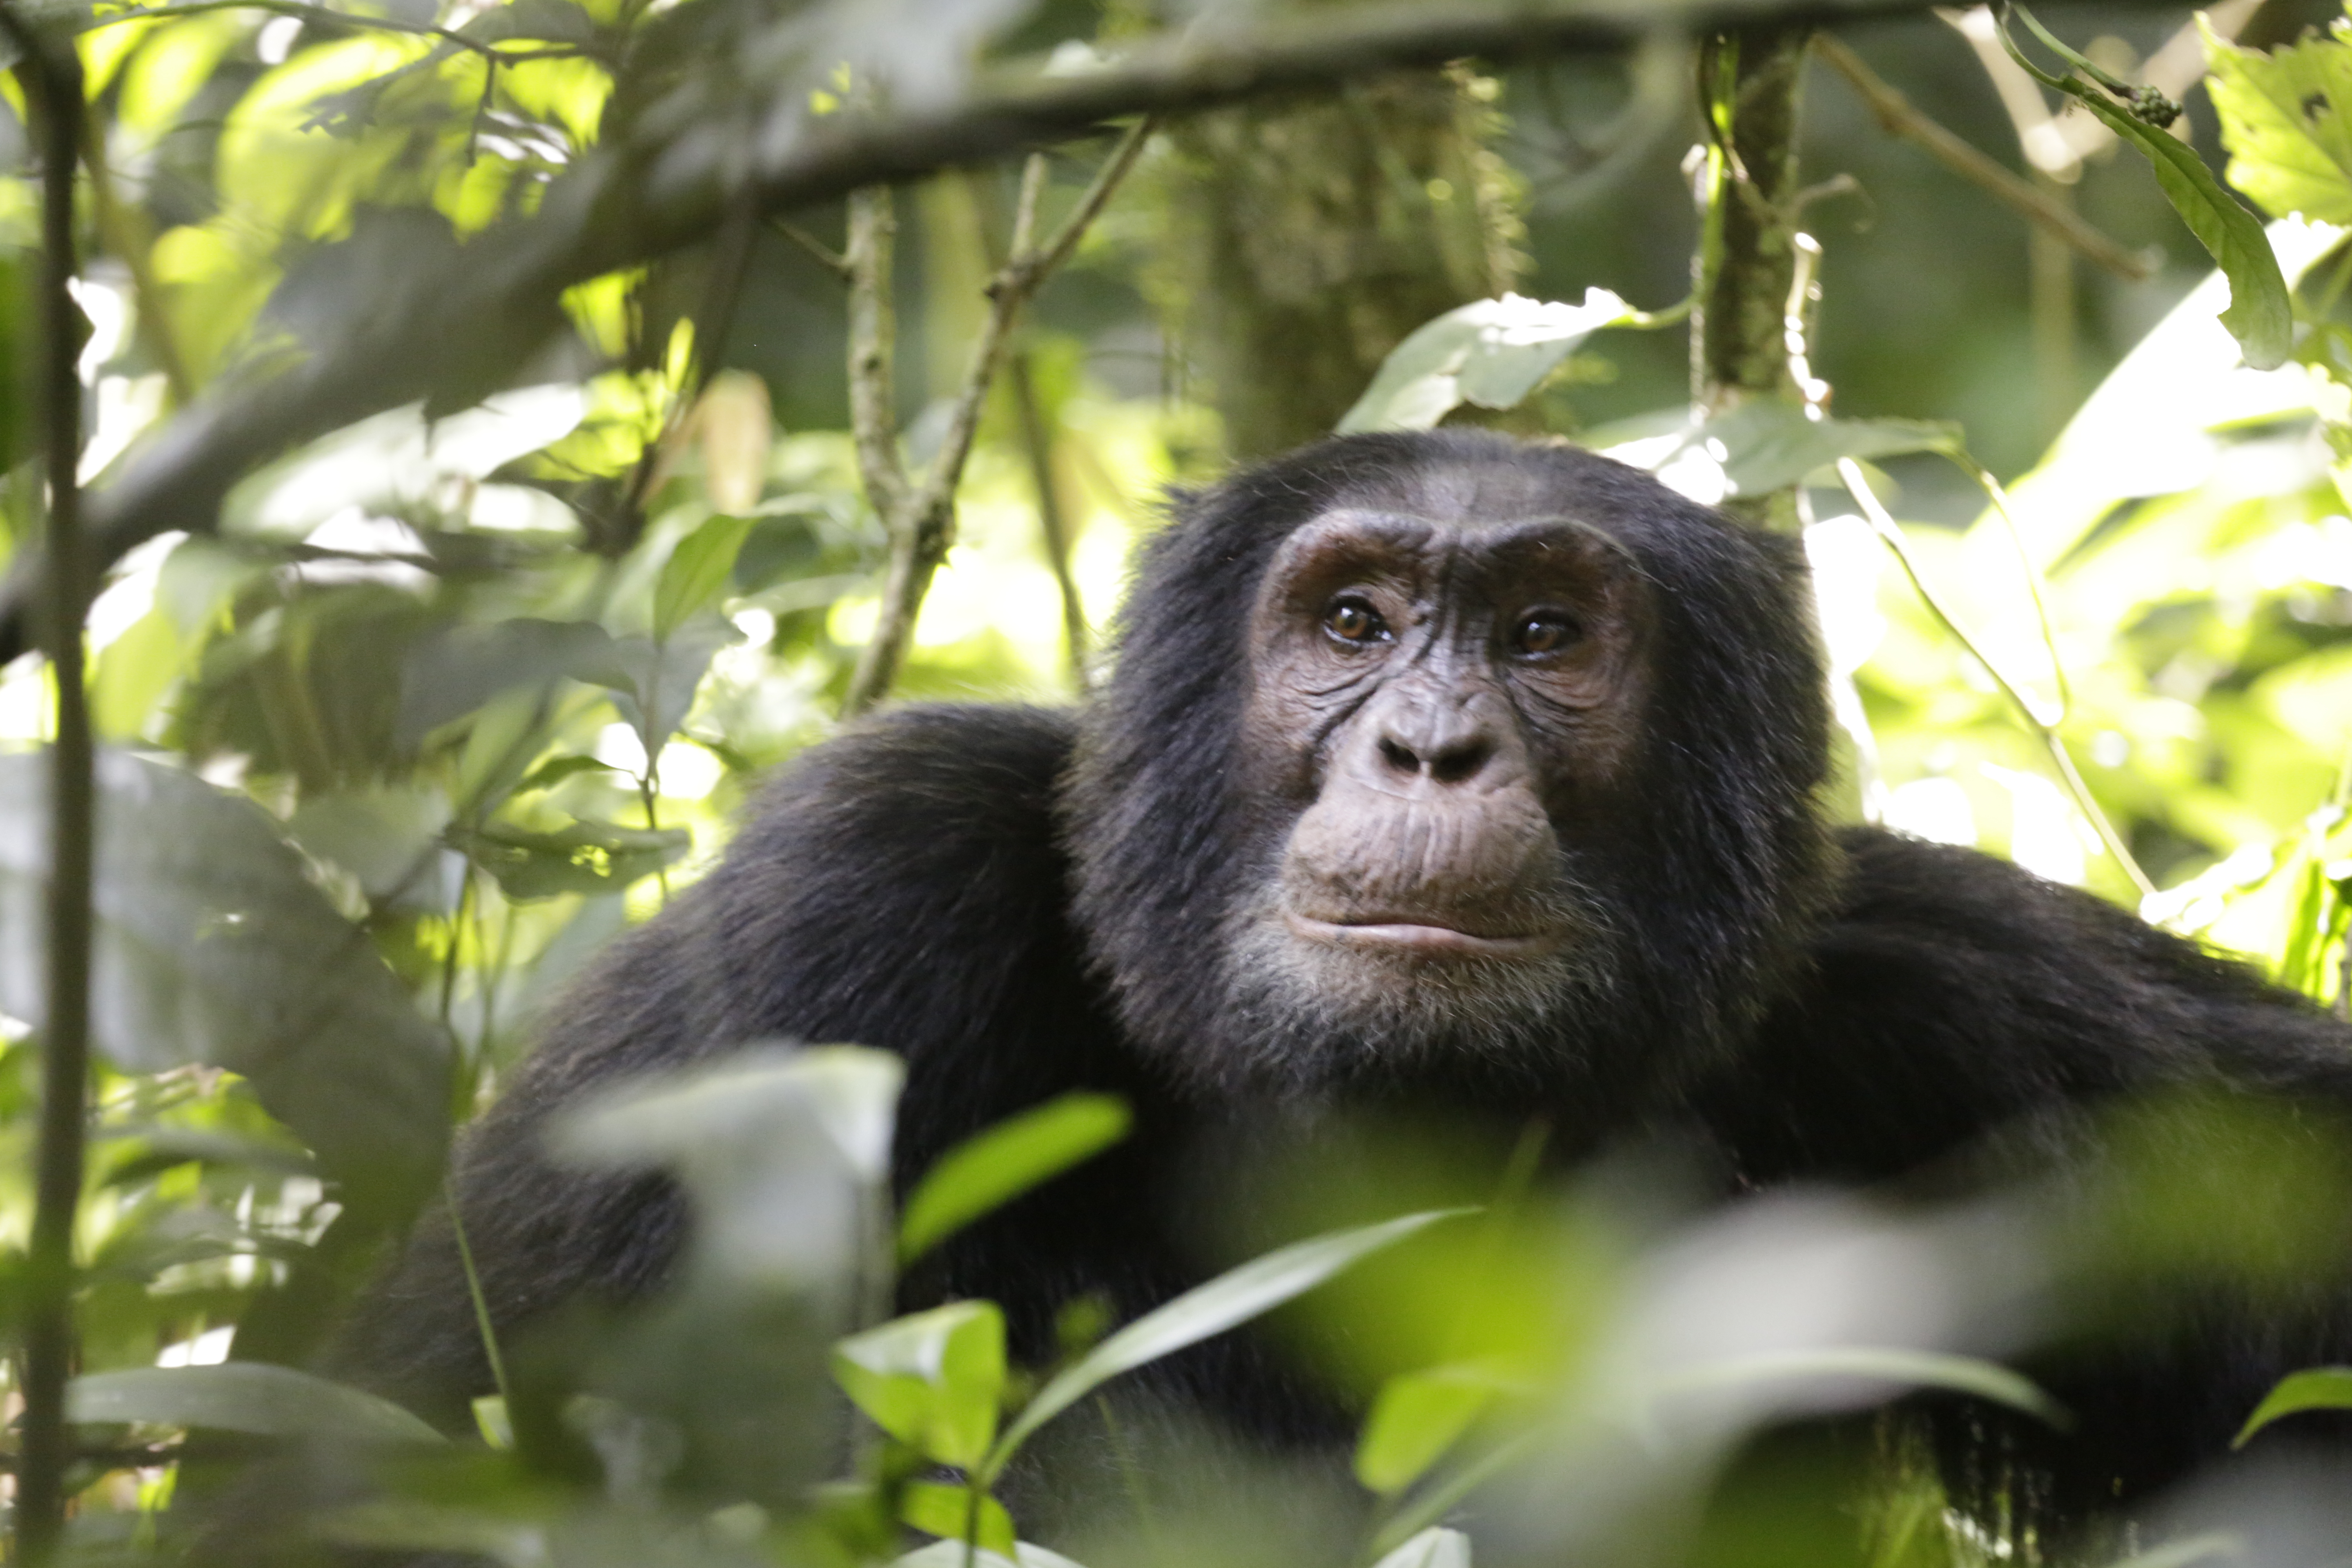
<point x="900" y="887"/>
<point x="1954" y="995"/>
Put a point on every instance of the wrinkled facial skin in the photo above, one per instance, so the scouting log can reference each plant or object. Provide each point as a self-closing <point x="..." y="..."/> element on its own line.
<point x="1451" y="708"/>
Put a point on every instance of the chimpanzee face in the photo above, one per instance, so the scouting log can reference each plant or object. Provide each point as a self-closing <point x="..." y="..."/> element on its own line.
<point x="1447" y="709"/>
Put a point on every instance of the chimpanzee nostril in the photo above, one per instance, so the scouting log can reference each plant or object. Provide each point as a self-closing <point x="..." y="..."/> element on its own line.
<point x="1445" y="764"/>
<point x="1455" y="763"/>
<point x="1399" y="756"/>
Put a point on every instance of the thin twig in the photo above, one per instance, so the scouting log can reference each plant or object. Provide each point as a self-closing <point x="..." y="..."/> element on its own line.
<point x="1899" y="117"/>
<point x="1037" y="444"/>
<point x="829" y="258"/>
<point x="919" y="517"/>
<point x="2043" y="725"/>
<point x="52" y="80"/>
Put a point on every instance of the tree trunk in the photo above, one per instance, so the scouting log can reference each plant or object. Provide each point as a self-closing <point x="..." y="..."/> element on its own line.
<point x="1300" y="245"/>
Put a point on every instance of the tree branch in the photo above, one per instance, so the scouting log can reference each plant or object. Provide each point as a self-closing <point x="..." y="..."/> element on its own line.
<point x="493" y="302"/>
<point x="921" y="520"/>
<point x="52" y="79"/>
<point x="1897" y="117"/>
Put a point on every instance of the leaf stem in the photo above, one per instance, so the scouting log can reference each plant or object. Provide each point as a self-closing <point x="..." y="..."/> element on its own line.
<point x="2045" y="727"/>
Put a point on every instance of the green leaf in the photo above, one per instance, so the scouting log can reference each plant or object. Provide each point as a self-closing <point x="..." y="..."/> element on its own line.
<point x="1231" y="1298"/>
<point x="585" y="858"/>
<point x="944" y="1509"/>
<point x="933" y="1379"/>
<point x="1768" y="443"/>
<point x="783" y="1151"/>
<point x="243" y="1396"/>
<point x="662" y="677"/>
<point x="2259" y="316"/>
<point x="1417" y="1416"/>
<point x="214" y="948"/>
<point x="555" y="770"/>
<point x="992" y="1167"/>
<point x="1433" y="1548"/>
<point x="1917" y="1369"/>
<point x="2314" y="1388"/>
<point x="466" y="666"/>
<point x="1492" y="352"/>
<point x="694" y="576"/>
<point x="494" y="1421"/>
<point x="2287" y="119"/>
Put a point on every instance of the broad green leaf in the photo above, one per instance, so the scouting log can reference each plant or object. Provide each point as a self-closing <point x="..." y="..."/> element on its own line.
<point x="213" y="947"/>
<point x="1767" y="443"/>
<point x="2287" y="119"/>
<point x="466" y="666"/>
<point x="663" y="675"/>
<point x="696" y="573"/>
<point x="585" y="858"/>
<point x="2314" y="1388"/>
<point x="1917" y="1369"/>
<point x="784" y="1153"/>
<point x="1492" y="352"/>
<point x="389" y="839"/>
<point x="944" y="1509"/>
<point x="933" y="1379"/>
<point x="992" y="1168"/>
<point x="1416" y="1418"/>
<point x="243" y="1396"/>
<point x="1231" y="1298"/>
<point x="1433" y="1548"/>
<point x="2259" y="316"/>
<point x="133" y="673"/>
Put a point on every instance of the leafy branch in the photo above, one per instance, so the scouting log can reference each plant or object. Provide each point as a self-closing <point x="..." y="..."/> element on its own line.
<point x="1897" y="116"/>
<point x="919" y="513"/>
<point x="467" y="316"/>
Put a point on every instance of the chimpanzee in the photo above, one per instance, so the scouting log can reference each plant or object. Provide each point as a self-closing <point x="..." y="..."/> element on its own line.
<point x="1437" y="773"/>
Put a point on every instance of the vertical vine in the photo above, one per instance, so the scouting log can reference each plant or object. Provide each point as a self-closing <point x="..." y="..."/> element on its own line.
<point x="52" y="80"/>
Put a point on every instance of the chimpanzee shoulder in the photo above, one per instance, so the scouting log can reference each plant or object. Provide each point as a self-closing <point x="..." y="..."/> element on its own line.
<point x="1950" y="992"/>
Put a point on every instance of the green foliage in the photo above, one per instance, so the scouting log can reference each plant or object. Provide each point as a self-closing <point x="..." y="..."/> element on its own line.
<point x="443" y="698"/>
<point x="994" y="1167"/>
<point x="2315" y="1388"/>
<point x="243" y="1396"/>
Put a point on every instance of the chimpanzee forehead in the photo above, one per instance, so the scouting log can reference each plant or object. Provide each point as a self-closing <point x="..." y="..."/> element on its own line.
<point x="1474" y="496"/>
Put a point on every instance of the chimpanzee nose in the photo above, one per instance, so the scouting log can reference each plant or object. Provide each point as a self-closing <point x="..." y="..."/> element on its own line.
<point x="1448" y="754"/>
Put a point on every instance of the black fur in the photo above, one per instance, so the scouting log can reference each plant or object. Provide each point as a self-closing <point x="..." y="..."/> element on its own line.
<point x="1021" y="902"/>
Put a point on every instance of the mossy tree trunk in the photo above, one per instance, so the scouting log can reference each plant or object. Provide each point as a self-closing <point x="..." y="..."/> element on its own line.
<point x="1298" y="245"/>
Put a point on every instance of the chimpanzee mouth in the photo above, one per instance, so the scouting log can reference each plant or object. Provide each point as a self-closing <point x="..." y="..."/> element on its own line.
<point x="1418" y="936"/>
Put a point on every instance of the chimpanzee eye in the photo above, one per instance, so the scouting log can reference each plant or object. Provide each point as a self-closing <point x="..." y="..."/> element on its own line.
<point x="1539" y="632"/>
<point x="1354" y="621"/>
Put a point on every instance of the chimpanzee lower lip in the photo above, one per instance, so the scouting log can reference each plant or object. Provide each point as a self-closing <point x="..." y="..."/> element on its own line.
<point x="1419" y="937"/>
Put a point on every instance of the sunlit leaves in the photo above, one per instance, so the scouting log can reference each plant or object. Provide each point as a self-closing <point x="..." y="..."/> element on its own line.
<point x="697" y="572"/>
<point x="1492" y="352"/>
<point x="1418" y="1416"/>
<point x="933" y="1381"/>
<point x="585" y="858"/>
<point x="2286" y="119"/>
